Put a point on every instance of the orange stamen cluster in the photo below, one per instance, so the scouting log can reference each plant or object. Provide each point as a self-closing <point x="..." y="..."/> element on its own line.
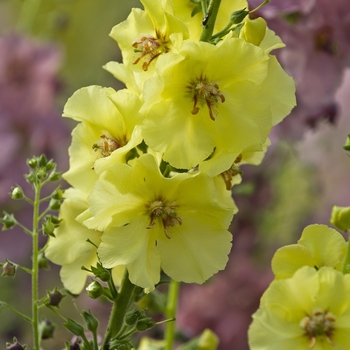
<point x="149" y="47"/>
<point x="165" y="211"/>
<point x="206" y="93"/>
<point x="107" y="144"/>
<point x="230" y="173"/>
<point x="319" y="324"/>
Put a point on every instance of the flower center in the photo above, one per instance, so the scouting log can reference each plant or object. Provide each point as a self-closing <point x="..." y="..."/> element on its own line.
<point x="107" y="144"/>
<point x="320" y="323"/>
<point x="230" y="173"/>
<point x="149" y="48"/>
<point x="165" y="212"/>
<point x="203" y="93"/>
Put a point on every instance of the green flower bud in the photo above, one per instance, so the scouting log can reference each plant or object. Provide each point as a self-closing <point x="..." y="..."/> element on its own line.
<point x="31" y="178"/>
<point x="42" y="161"/>
<point x="43" y="263"/>
<point x="132" y="316"/>
<point x="32" y="163"/>
<point x="144" y="324"/>
<point x="341" y="218"/>
<point x="347" y="144"/>
<point x="55" y="204"/>
<point x="90" y="321"/>
<point x="41" y="174"/>
<point x="57" y="194"/>
<point x="17" y="193"/>
<point x="55" y="176"/>
<point x="238" y="16"/>
<point x="46" y="329"/>
<point x="50" y="165"/>
<point x="74" y="327"/>
<point x="8" y="221"/>
<point x="94" y="289"/>
<point x="100" y="272"/>
<point x="9" y="269"/>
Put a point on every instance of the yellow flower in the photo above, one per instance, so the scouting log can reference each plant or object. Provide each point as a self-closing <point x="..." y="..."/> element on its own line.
<point x="319" y="245"/>
<point x="145" y="35"/>
<point x="107" y="129"/>
<point x="150" y="222"/>
<point x="310" y="310"/>
<point x="70" y="249"/>
<point x="202" y="99"/>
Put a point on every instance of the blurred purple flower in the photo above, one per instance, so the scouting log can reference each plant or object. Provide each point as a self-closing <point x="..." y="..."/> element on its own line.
<point x="316" y="34"/>
<point x="29" y="121"/>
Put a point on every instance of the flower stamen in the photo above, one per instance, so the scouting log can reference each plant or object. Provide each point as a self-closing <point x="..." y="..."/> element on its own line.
<point x="165" y="211"/>
<point x="230" y="173"/>
<point x="107" y="144"/>
<point x="320" y="323"/>
<point x="206" y="93"/>
<point x="149" y="46"/>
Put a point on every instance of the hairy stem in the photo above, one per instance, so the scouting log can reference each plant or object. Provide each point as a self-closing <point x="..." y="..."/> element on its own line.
<point x="35" y="268"/>
<point x="120" y="308"/>
<point x="171" y="313"/>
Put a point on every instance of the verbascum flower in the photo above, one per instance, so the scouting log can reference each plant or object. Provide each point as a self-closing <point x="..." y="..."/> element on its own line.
<point x="70" y="248"/>
<point x="146" y="35"/>
<point x="150" y="223"/>
<point x="202" y="99"/>
<point x="318" y="246"/>
<point x="310" y="310"/>
<point x="107" y="128"/>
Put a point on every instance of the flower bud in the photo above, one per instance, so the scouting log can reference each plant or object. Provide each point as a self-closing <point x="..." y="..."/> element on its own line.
<point x="100" y="272"/>
<point x="57" y="194"/>
<point x="55" y="176"/>
<point x="341" y="218"/>
<point x="41" y="174"/>
<point x="8" y="221"/>
<point x="42" y="161"/>
<point x="132" y="316"/>
<point x="50" y="165"/>
<point x="16" y="193"/>
<point x="9" y="269"/>
<point x="55" y="298"/>
<point x="31" y="178"/>
<point x="144" y="324"/>
<point x="43" y="263"/>
<point x="32" y="163"/>
<point x="55" y="204"/>
<point x="90" y="321"/>
<point x="46" y="329"/>
<point x="14" y="346"/>
<point x="94" y="289"/>
<point x="74" y="327"/>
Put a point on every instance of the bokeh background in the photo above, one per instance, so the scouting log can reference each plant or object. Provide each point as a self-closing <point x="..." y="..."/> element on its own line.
<point x="50" y="48"/>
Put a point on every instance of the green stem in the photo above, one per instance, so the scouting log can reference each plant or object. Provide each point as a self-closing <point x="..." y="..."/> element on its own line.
<point x="346" y="268"/>
<point x="120" y="307"/>
<point x="25" y="317"/>
<point x="171" y="313"/>
<point x="204" y="7"/>
<point x="209" y="20"/>
<point x="35" y="268"/>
